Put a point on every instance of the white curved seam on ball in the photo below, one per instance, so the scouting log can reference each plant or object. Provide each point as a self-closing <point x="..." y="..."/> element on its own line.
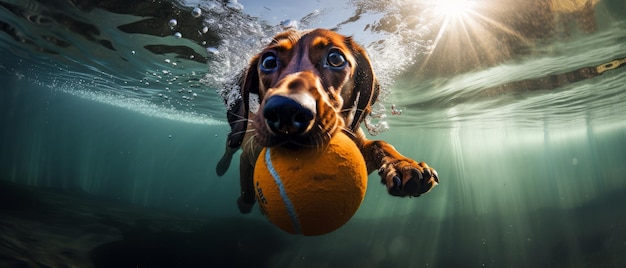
<point x="283" y="193"/>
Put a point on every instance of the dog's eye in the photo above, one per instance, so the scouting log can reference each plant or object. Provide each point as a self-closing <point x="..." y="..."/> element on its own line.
<point x="269" y="63"/>
<point x="335" y="59"/>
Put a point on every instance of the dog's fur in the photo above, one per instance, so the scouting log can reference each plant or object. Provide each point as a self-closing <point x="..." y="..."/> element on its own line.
<point x="311" y="84"/>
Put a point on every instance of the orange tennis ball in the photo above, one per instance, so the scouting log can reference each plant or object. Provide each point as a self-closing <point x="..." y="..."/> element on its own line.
<point x="311" y="191"/>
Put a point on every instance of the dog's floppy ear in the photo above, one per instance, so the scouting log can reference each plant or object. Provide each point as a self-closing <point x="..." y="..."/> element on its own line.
<point x="237" y="115"/>
<point x="366" y="87"/>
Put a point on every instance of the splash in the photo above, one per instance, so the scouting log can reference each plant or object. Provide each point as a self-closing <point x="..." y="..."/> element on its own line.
<point x="391" y="50"/>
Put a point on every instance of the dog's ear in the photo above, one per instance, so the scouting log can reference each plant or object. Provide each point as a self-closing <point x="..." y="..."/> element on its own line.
<point x="366" y="86"/>
<point x="237" y="115"/>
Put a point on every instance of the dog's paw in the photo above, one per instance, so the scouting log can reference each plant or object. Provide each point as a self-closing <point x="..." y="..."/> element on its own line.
<point x="407" y="177"/>
<point x="244" y="206"/>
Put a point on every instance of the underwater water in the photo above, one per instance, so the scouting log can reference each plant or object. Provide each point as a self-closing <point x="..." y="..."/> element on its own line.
<point x="112" y="124"/>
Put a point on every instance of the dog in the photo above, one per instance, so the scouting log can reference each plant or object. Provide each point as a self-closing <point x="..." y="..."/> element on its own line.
<point x="311" y="84"/>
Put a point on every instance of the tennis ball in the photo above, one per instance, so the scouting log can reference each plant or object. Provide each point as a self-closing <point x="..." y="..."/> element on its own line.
<point x="311" y="191"/>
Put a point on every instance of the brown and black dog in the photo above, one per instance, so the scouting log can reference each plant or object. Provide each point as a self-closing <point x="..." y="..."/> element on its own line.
<point x="311" y="84"/>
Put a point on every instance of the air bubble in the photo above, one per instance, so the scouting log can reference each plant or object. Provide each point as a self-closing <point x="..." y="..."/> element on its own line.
<point x="172" y="23"/>
<point x="289" y="24"/>
<point x="205" y="29"/>
<point x="178" y="35"/>
<point x="196" y="12"/>
<point x="212" y="50"/>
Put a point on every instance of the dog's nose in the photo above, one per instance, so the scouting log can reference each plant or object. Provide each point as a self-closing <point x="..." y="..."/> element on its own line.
<point x="288" y="115"/>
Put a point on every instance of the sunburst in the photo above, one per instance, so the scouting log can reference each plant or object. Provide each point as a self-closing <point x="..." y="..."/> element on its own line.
<point x="454" y="13"/>
<point x="467" y="32"/>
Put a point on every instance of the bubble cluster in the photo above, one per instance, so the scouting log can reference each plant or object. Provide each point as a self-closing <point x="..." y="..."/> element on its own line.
<point x="395" y="111"/>
<point x="234" y="5"/>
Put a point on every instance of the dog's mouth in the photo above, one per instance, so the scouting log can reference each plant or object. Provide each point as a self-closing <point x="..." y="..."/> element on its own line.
<point x="296" y="112"/>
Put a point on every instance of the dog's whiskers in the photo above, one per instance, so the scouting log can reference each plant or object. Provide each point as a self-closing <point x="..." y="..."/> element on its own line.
<point x="242" y="119"/>
<point x="250" y="144"/>
<point x="353" y="109"/>
<point x="243" y="131"/>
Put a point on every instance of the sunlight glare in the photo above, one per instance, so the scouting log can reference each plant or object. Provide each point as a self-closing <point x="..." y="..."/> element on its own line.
<point x="468" y="33"/>
<point x="454" y="8"/>
<point x="454" y="15"/>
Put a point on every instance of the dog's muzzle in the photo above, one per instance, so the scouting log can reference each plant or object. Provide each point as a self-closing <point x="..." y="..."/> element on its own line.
<point x="289" y="115"/>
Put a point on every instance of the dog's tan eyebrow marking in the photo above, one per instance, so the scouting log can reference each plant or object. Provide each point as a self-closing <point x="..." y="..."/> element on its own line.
<point x="285" y="41"/>
<point x="325" y="41"/>
<point x="284" y="44"/>
<point x="320" y="41"/>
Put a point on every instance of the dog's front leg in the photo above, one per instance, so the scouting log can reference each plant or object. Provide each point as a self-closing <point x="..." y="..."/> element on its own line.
<point x="402" y="176"/>
<point x="246" y="199"/>
<point x="249" y="155"/>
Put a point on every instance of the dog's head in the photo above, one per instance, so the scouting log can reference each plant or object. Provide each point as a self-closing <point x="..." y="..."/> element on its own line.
<point x="310" y="84"/>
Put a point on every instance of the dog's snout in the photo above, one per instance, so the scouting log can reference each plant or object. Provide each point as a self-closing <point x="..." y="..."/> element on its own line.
<point x="289" y="115"/>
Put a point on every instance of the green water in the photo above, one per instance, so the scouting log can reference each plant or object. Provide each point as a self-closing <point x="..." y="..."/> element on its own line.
<point x="530" y="177"/>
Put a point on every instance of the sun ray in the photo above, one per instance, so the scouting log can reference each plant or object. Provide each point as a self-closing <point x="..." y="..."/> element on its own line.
<point x="468" y="36"/>
<point x="454" y="15"/>
<point x="501" y="26"/>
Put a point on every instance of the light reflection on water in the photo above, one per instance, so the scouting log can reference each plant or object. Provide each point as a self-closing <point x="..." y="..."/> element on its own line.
<point x="181" y="83"/>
